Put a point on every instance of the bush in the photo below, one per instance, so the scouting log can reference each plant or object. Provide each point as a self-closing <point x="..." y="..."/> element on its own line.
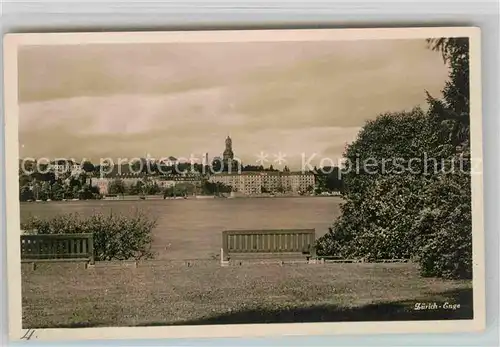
<point x="25" y="194"/>
<point x="381" y="199"/>
<point x="443" y="229"/>
<point x="419" y="214"/>
<point x="116" y="237"/>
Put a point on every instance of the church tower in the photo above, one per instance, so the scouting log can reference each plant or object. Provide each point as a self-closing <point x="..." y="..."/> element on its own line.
<point x="228" y="154"/>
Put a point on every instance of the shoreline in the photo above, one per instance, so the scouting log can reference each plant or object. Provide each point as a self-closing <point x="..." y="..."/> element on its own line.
<point x="200" y="197"/>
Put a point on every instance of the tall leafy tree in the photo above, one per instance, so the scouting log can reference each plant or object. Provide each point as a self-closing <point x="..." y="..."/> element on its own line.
<point x="444" y="227"/>
<point x="57" y="192"/>
<point x="416" y="207"/>
<point x="117" y="186"/>
<point x="25" y="193"/>
<point x="88" y="167"/>
<point x="454" y="108"/>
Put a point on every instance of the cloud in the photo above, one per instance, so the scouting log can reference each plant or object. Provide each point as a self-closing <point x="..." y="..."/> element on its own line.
<point x="347" y="90"/>
<point x="178" y="99"/>
<point x="96" y="70"/>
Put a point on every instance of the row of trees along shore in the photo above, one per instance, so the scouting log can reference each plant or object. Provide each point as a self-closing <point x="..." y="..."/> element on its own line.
<point x="46" y="186"/>
<point x="118" y="187"/>
<point x="149" y="187"/>
<point x="425" y="216"/>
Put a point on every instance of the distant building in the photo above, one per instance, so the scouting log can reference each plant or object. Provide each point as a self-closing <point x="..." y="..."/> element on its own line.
<point x="130" y="179"/>
<point x="123" y="172"/>
<point x="251" y="183"/>
<point x="102" y="184"/>
<point x="228" y="162"/>
<point x="63" y="166"/>
<point x="171" y="180"/>
<point x="228" y="154"/>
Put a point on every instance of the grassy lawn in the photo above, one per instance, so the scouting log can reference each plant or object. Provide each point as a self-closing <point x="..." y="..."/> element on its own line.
<point x="162" y="293"/>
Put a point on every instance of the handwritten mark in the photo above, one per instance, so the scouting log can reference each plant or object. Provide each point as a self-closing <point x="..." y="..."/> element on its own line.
<point x="28" y="334"/>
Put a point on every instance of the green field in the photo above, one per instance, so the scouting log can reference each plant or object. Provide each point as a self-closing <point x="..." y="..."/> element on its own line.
<point x="165" y="293"/>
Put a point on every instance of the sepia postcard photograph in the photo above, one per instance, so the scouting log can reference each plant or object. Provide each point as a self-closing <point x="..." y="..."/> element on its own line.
<point x="244" y="183"/>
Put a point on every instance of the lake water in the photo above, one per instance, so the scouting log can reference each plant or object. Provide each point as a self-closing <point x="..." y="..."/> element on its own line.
<point x="191" y="229"/>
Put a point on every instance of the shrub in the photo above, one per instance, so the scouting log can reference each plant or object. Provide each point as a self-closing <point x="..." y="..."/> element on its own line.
<point x="382" y="199"/>
<point x="443" y="229"/>
<point x="116" y="236"/>
<point x="424" y="214"/>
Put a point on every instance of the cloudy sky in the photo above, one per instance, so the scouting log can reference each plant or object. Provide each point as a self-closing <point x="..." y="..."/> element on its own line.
<point x="134" y="100"/>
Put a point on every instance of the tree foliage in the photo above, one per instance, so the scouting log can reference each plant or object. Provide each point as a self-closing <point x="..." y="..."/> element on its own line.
<point x="328" y="179"/>
<point x="407" y="186"/>
<point x="38" y="186"/>
<point x="117" y="186"/>
<point x="211" y="188"/>
<point x="88" y="167"/>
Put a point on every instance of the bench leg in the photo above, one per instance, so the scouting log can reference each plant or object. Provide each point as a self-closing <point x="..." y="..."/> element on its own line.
<point x="223" y="255"/>
<point x="224" y="260"/>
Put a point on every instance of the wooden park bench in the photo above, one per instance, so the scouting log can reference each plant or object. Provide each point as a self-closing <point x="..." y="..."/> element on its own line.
<point x="289" y="242"/>
<point x="57" y="248"/>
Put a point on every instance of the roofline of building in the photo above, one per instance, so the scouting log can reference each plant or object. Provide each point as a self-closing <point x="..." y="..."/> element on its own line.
<point x="264" y="173"/>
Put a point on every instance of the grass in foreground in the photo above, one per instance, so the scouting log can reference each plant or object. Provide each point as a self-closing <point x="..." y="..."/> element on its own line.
<point x="205" y="293"/>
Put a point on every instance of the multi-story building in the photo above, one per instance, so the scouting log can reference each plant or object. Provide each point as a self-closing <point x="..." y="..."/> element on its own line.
<point x="250" y="183"/>
<point x="167" y="181"/>
<point x="124" y="173"/>
<point x="63" y="166"/>
<point x="130" y="179"/>
<point x="102" y="183"/>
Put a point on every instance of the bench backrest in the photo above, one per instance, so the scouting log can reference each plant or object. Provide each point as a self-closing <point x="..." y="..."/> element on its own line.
<point x="57" y="246"/>
<point x="268" y="241"/>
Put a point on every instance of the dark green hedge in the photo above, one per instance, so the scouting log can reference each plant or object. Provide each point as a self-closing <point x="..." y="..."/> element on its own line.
<point x="116" y="236"/>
